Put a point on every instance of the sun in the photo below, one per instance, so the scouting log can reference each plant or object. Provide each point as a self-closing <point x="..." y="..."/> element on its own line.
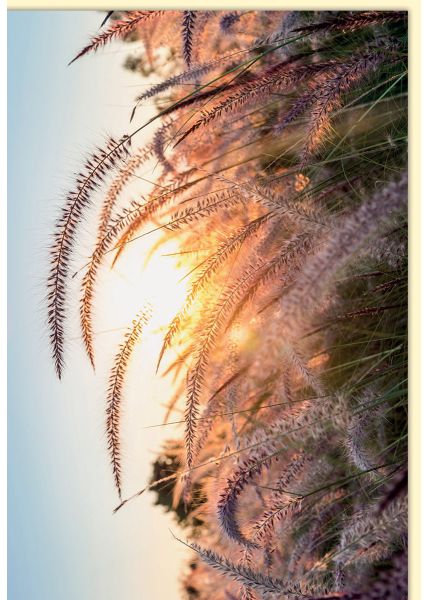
<point x="148" y="274"/>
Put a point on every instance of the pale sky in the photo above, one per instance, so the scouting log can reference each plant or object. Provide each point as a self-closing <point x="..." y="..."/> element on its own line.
<point x="64" y="542"/>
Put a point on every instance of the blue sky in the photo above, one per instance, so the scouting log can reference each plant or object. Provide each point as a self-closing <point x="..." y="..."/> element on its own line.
<point x="64" y="543"/>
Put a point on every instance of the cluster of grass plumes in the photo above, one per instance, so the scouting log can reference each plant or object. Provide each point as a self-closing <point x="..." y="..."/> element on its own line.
<point x="280" y="163"/>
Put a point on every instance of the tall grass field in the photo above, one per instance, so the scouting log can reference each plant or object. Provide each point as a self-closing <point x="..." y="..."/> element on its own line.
<point x="277" y="164"/>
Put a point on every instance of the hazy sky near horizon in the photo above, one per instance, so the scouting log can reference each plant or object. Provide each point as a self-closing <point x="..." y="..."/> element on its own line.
<point x="63" y="541"/>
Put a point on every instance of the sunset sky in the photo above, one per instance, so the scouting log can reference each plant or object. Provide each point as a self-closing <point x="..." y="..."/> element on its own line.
<point x="64" y="542"/>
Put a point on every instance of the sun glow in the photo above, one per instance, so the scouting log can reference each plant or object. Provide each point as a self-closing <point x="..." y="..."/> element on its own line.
<point x="148" y="274"/>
